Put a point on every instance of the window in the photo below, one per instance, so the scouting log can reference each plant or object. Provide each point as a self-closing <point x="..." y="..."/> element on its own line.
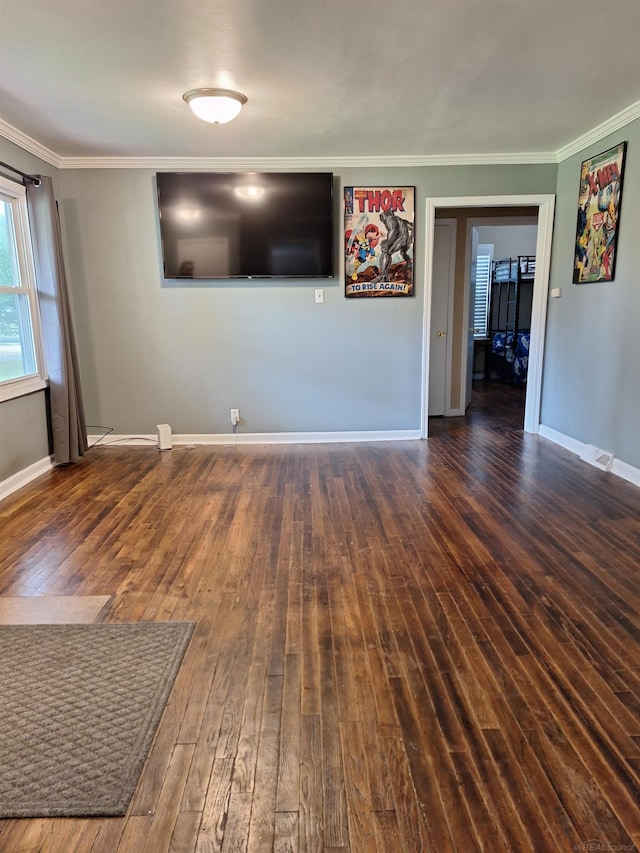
<point x="21" y="362"/>
<point x="483" y="289"/>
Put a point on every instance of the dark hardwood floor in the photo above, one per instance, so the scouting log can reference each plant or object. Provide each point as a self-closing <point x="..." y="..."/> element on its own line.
<point x="409" y="646"/>
<point x="494" y="405"/>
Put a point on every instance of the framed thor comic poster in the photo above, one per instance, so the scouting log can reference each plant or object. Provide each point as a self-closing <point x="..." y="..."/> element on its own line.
<point x="599" y="199"/>
<point x="378" y="241"/>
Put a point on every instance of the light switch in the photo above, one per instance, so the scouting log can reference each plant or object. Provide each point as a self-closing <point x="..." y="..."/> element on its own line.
<point x="319" y="294"/>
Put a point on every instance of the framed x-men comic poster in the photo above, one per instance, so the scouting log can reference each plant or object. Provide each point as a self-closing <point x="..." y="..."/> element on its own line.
<point x="378" y="241"/>
<point x="599" y="216"/>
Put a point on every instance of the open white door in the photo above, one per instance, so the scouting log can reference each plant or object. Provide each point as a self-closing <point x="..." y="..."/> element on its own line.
<point x="468" y="384"/>
<point x="444" y="247"/>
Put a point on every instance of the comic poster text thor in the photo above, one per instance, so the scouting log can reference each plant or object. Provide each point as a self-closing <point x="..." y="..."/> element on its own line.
<point x="378" y="241"/>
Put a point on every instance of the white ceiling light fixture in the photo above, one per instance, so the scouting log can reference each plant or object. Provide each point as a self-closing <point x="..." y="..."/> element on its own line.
<point x="217" y="106"/>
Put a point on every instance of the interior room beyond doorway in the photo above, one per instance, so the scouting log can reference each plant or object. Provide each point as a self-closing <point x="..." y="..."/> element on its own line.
<point x="510" y="231"/>
<point x="501" y="299"/>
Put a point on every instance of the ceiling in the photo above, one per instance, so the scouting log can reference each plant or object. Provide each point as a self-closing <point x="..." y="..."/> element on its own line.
<point x="324" y="78"/>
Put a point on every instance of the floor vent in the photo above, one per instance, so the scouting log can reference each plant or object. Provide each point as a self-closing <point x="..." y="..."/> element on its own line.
<point x="602" y="459"/>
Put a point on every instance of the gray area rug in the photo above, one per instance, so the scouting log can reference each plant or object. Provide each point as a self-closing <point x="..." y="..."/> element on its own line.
<point x="79" y="706"/>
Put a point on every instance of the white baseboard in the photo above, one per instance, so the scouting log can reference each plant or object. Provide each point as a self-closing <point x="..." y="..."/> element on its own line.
<point x="260" y="438"/>
<point x="300" y="437"/>
<point x="626" y="471"/>
<point x="618" y="467"/>
<point x="21" y="478"/>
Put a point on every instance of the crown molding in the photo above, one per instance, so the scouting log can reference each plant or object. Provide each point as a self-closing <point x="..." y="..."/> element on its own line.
<point x="232" y="164"/>
<point x="613" y="124"/>
<point x="12" y="134"/>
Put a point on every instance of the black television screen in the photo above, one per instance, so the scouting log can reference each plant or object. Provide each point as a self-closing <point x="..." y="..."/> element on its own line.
<point x="246" y="225"/>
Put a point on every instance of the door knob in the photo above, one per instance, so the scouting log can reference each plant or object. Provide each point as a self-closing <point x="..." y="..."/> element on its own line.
<point x="440" y="334"/>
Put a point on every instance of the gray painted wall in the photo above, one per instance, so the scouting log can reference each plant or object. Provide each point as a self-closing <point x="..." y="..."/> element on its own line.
<point x="591" y="380"/>
<point x="155" y="351"/>
<point x="23" y="433"/>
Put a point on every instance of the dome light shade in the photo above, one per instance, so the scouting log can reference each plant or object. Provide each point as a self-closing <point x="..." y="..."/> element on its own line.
<point x="216" y="106"/>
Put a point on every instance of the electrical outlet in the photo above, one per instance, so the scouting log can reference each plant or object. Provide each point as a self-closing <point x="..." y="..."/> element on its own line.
<point x="235" y="417"/>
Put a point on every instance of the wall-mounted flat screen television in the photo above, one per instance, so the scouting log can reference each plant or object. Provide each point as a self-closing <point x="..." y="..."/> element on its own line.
<point x="246" y="225"/>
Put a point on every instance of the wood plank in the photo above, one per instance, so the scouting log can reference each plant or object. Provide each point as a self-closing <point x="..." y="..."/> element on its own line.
<point x="185" y="832"/>
<point x="288" y="791"/>
<point x="311" y="832"/>
<point x="108" y="836"/>
<point x="412" y="817"/>
<point x="135" y="833"/>
<point x="362" y="832"/>
<point x="211" y="833"/>
<point x="236" y="829"/>
<point x="336" y="833"/>
<point x="311" y="703"/>
<point x="246" y="756"/>
<point x="161" y="830"/>
<point x="380" y="781"/>
<point x="263" y="803"/>
<point x="387" y="830"/>
<point x="285" y="837"/>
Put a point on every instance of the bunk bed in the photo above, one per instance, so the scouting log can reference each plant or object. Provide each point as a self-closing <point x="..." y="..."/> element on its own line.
<point x="510" y="317"/>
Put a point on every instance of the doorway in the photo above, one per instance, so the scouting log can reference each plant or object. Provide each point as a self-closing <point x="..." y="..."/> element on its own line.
<point x="543" y="206"/>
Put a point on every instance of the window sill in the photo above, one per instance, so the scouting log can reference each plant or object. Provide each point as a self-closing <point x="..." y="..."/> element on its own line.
<point x="21" y="387"/>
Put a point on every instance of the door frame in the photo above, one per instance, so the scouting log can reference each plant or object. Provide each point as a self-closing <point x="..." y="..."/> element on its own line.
<point x="545" y="205"/>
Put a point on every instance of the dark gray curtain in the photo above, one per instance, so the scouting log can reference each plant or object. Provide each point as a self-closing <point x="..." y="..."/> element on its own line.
<point x="68" y="425"/>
